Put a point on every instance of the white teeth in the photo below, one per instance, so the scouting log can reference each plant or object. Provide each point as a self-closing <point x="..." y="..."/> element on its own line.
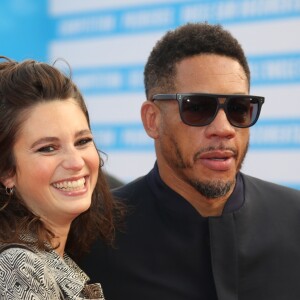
<point x="70" y="185"/>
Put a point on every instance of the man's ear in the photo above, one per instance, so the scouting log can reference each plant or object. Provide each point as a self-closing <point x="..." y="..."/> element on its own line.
<point x="150" y="115"/>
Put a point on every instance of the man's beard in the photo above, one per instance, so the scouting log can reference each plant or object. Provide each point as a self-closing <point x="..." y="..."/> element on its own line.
<point x="211" y="189"/>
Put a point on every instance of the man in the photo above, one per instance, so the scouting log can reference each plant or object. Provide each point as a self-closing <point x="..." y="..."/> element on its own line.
<point x="197" y="228"/>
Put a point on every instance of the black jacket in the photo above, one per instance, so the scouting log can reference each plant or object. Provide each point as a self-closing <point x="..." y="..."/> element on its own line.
<point x="169" y="252"/>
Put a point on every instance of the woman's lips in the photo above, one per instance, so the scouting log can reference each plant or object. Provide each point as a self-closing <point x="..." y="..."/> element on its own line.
<point x="72" y="186"/>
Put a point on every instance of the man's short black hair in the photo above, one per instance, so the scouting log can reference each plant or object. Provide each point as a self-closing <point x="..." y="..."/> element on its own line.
<point x="186" y="41"/>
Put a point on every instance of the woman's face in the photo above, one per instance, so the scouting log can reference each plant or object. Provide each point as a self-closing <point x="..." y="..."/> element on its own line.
<point x="56" y="162"/>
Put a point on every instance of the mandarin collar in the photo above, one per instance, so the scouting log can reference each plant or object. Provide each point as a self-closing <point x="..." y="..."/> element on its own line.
<point x="172" y="201"/>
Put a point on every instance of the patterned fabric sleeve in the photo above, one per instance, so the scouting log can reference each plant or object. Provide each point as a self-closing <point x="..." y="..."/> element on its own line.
<point x="93" y="292"/>
<point x="23" y="275"/>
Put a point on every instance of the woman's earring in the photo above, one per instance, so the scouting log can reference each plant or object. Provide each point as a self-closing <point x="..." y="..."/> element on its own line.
<point x="9" y="191"/>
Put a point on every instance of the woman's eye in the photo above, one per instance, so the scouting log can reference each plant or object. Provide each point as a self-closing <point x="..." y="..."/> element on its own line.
<point x="46" y="149"/>
<point x="84" y="141"/>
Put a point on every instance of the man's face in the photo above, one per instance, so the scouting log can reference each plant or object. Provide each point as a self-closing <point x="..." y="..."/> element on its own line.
<point x="205" y="158"/>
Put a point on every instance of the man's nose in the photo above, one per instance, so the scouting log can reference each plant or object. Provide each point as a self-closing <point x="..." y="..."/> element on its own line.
<point x="220" y="126"/>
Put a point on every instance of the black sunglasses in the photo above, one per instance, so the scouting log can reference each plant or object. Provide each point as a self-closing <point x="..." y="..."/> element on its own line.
<point x="198" y="109"/>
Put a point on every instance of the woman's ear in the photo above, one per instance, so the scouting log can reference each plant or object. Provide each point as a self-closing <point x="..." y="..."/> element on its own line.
<point x="8" y="182"/>
<point x="150" y="115"/>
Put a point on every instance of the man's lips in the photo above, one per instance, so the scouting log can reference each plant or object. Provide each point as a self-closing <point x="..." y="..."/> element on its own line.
<point x="218" y="160"/>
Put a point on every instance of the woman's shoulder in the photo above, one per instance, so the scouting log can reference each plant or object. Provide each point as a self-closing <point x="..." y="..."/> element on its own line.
<point x="14" y="255"/>
<point x="11" y="248"/>
<point x="25" y="270"/>
<point x="22" y="258"/>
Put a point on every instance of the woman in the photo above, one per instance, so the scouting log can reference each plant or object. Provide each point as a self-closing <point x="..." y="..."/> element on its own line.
<point x="53" y="195"/>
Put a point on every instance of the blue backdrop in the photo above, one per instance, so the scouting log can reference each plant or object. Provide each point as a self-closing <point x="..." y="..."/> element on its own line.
<point x="108" y="42"/>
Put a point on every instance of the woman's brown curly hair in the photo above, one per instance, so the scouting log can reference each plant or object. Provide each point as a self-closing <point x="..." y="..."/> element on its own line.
<point x="22" y="86"/>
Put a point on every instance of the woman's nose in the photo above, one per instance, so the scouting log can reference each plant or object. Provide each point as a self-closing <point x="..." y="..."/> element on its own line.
<point x="73" y="160"/>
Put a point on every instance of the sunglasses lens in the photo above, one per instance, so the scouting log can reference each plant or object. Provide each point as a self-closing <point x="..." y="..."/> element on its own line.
<point x="242" y="111"/>
<point x="198" y="110"/>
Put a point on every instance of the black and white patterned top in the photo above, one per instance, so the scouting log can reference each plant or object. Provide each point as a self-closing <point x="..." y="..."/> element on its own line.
<point x="27" y="273"/>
